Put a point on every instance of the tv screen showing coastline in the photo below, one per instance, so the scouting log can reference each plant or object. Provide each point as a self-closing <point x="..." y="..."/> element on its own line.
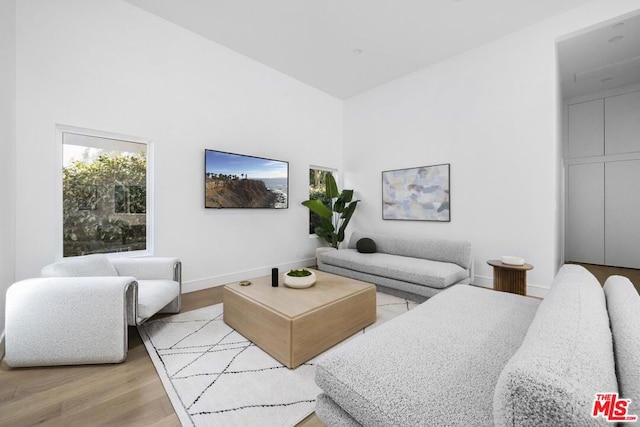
<point x="241" y="181"/>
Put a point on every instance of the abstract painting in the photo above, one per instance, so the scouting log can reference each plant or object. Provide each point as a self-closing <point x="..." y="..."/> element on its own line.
<point x="420" y="194"/>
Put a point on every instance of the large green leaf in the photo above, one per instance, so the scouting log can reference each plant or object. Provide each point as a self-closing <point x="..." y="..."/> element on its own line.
<point x="326" y="231"/>
<point x="327" y="225"/>
<point x="346" y="196"/>
<point x="339" y="203"/>
<point x="331" y="187"/>
<point x="318" y="208"/>
<point x="323" y="233"/>
<point x="349" y="210"/>
<point x="346" y="216"/>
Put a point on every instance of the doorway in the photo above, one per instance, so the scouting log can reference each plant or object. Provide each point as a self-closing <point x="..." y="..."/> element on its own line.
<point x="600" y="85"/>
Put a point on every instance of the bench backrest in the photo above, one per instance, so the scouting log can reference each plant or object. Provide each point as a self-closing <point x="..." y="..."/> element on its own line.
<point x="623" y="305"/>
<point x="454" y="251"/>
<point x="81" y="266"/>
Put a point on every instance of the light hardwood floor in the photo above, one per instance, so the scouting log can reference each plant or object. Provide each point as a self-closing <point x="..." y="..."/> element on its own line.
<point x="126" y="394"/>
<point x="602" y="272"/>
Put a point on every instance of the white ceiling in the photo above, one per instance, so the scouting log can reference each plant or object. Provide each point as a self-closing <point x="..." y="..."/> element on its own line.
<point x="601" y="58"/>
<point x="345" y="47"/>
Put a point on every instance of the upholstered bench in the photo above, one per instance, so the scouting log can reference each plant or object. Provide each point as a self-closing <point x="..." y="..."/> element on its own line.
<point x="410" y="267"/>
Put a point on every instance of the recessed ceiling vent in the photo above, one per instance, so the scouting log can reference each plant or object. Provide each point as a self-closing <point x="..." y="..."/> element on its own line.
<point x="608" y="70"/>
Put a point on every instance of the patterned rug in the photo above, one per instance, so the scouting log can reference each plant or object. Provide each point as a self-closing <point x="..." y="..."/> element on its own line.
<point x="216" y="377"/>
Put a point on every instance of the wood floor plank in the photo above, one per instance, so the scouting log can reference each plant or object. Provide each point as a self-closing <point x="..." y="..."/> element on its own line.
<point x="602" y="272"/>
<point x="311" y="421"/>
<point x="139" y="406"/>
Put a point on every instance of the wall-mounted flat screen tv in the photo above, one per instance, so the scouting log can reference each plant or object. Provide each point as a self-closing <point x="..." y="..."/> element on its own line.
<point x="240" y="181"/>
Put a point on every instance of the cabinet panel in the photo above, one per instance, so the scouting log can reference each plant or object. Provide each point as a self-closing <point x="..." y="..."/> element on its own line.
<point x="586" y="129"/>
<point x="585" y="213"/>
<point x="622" y="123"/>
<point x="622" y="214"/>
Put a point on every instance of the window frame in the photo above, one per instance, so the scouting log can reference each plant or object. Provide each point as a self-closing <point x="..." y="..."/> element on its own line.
<point x="59" y="232"/>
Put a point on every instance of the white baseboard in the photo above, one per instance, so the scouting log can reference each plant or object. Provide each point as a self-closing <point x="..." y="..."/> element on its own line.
<point x="537" y="291"/>
<point x="532" y="290"/>
<point x="210" y="282"/>
<point x="483" y="281"/>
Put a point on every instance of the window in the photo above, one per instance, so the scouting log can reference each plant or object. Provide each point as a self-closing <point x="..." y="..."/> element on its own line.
<point x="105" y="194"/>
<point x="317" y="188"/>
<point x="130" y="199"/>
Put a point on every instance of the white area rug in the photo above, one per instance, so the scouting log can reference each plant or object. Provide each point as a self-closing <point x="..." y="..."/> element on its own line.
<point x="216" y="377"/>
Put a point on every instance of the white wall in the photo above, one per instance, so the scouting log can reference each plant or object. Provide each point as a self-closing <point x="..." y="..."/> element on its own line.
<point x="494" y="114"/>
<point x="7" y="149"/>
<point x="110" y="66"/>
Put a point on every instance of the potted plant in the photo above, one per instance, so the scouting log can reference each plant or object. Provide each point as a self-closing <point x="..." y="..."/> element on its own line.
<point x="302" y="278"/>
<point x="335" y="217"/>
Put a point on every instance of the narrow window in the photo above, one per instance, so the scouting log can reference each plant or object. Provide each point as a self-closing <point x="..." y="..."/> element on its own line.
<point x="317" y="188"/>
<point x="104" y="193"/>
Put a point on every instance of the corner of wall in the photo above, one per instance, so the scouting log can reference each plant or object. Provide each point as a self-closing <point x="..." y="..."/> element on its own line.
<point x="2" y="345"/>
<point x="7" y="151"/>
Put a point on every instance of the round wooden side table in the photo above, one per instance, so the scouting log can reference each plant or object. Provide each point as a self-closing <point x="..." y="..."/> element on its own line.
<point x="510" y="278"/>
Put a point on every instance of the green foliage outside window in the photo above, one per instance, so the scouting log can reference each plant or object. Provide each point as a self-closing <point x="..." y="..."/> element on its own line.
<point x="317" y="191"/>
<point x="104" y="204"/>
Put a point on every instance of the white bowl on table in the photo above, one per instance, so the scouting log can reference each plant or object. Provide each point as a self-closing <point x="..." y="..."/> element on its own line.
<point x="300" y="282"/>
<point x="512" y="260"/>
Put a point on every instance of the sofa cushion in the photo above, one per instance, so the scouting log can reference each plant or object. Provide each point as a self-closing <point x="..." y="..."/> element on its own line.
<point x="454" y="251"/>
<point x="432" y="366"/>
<point x="154" y="295"/>
<point x="623" y="304"/>
<point x="433" y="274"/>
<point x="82" y="266"/>
<point x="147" y="268"/>
<point x="65" y="321"/>
<point x="366" y="246"/>
<point x="564" y="360"/>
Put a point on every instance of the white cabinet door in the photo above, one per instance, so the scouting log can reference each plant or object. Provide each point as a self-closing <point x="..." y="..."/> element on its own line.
<point x="586" y="129"/>
<point x="585" y="213"/>
<point x="622" y="213"/>
<point x="622" y="123"/>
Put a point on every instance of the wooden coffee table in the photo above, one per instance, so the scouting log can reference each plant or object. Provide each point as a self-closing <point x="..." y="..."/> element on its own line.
<point x="295" y="325"/>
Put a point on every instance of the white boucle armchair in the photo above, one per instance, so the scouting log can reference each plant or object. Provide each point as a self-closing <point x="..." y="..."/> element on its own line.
<point x="78" y="312"/>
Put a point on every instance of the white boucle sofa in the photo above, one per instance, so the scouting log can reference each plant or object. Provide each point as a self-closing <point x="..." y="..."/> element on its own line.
<point x="410" y="267"/>
<point x="476" y="357"/>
